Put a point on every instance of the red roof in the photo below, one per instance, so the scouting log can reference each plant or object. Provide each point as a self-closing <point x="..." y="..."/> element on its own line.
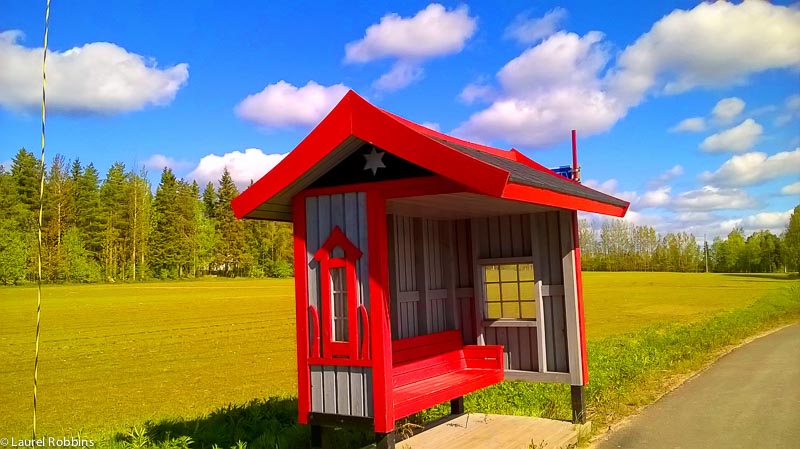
<point x="503" y="174"/>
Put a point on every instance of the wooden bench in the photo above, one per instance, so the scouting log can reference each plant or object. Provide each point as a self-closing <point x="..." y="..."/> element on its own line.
<point x="435" y="368"/>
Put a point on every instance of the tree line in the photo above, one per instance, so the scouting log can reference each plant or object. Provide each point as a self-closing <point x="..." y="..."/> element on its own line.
<point x="116" y="229"/>
<point x="621" y="246"/>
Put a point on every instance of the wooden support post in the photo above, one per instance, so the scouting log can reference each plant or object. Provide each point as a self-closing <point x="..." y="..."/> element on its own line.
<point x="578" y="404"/>
<point x="457" y="406"/>
<point x="384" y="440"/>
<point x="316" y="436"/>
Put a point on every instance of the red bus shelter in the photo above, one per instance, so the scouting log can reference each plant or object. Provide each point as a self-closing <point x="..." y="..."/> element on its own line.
<point x="426" y="267"/>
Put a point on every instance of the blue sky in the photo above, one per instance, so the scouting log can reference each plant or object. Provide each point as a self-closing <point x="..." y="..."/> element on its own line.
<point x="201" y="85"/>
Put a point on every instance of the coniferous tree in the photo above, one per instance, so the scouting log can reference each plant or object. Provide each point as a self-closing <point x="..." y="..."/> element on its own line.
<point x="164" y="238"/>
<point x="230" y="251"/>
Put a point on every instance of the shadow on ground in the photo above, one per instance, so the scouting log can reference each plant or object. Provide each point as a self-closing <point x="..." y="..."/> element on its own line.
<point x="767" y="276"/>
<point x="260" y="424"/>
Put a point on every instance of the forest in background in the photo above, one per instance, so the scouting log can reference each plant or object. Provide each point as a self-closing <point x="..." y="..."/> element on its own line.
<point x="115" y="229"/>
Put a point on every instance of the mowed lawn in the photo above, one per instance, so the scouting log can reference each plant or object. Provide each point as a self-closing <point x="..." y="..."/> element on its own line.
<point x="117" y="355"/>
<point x="618" y="303"/>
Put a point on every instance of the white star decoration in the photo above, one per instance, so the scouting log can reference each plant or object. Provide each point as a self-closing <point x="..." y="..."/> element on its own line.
<point x="374" y="161"/>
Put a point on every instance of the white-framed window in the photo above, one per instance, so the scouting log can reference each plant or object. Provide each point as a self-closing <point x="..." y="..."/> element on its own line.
<point x="509" y="289"/>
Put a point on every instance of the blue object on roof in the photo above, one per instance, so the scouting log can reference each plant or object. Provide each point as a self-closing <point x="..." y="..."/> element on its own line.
<point x="564" y="170"/>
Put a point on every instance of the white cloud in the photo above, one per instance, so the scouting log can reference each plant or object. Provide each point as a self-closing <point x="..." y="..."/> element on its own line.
<point x="754" y="168"/>
<point x="563" y="82"/>
<point x="611" y="187"/>
<point x="714" y="44"/>
<point x="431" y="125"/>
<point x="667" y="176"/>
<point x="728" y="109"/>
<point x="159" y="161"/>
<point x="712" y="198"/>
<point x="791" y="110"/>
<point x="696" y="217"/>
<point x="740" y="138"/>
<point x="432" y="32"/>
<point x="245" y="166"/>
<point x="477" y="91"/>
<point x="527" y="30"/>
<point x="546" y="91"/>
<point x="692" y="124"/>
<point x="97" y="78"/>
<point x="284" y="105"/>
<point x="401" y="75"/>
<point x="655" y="198"/>
<point x="791" y="189"/>
<point x="774" y="222"/>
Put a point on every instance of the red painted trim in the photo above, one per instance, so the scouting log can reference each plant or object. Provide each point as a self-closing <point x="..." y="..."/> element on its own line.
<point x="382" y="130"/>
<point x="579" y="284"/>
<point x="362" y="311"/>
<point x="399" y="188"/>
<point x="352" y="317"/>
<point x="325" y="299"/>
<point x="382" y="395"/>
<point x="301" y="311"/>
<point x="338" y="238"/>
<point x="339" y="362"/>
<point x="316" y="338"/>
<point x="354" y="116"/>
<point x="528" y="194"/>
<point x="330" y="347"/>
<point x="334" y="129"/>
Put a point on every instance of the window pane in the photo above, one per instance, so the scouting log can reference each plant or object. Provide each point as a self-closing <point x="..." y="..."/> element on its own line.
<point x="493" y="292"/>
<point x="509" y="291"/>
<point x="525" y="272"/>
<point x="527" y="291"/>
<point x="511" y="309"/>
<point x="339" y="291"/>
<point x="493" y="310"/>
<point x="528" y="309"/>
<point x="508" y="272"/>
<point x="491" y="273"/>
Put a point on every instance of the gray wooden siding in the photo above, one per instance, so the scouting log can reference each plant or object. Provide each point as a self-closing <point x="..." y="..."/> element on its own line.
<point x="340" y="390"/>
<point x="519" y="346"/>
<point x="430" y="275"/>
<point x="536" y="236"/>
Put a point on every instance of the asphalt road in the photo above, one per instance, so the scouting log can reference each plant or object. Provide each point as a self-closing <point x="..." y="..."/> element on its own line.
<point x="750" y="398"/>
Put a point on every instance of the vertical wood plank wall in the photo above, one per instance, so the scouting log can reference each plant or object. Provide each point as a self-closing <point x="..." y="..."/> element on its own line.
<point x="341" y="390"/>
<point x="432" y="264"/>
<point x="536" y="236"/>
<point x="431" y="287"/>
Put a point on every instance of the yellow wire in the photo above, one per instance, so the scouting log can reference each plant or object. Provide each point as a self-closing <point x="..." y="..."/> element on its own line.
<point x="41" y="208"/>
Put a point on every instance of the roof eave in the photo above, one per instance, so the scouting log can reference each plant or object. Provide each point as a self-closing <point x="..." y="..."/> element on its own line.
<point x="536" y="195"/>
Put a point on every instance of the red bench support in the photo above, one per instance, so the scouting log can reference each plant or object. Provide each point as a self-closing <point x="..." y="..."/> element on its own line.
<point x="431" y="369"/>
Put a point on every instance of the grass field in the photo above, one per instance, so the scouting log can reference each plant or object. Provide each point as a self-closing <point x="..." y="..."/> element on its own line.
<point x="117" y="355"/>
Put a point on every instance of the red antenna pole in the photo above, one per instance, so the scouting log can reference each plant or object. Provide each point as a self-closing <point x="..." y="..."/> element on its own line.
<point x="576" y="169"/>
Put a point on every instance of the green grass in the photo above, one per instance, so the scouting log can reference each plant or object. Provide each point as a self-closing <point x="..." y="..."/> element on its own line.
<point x="117" y="356"/>
<point x="618" y="303"/>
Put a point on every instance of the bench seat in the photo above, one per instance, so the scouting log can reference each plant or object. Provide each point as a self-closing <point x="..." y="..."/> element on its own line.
<point x="436" y="368"/>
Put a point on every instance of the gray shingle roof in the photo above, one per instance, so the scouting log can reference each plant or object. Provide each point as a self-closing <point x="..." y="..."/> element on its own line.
<point x="522" y="174"/>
